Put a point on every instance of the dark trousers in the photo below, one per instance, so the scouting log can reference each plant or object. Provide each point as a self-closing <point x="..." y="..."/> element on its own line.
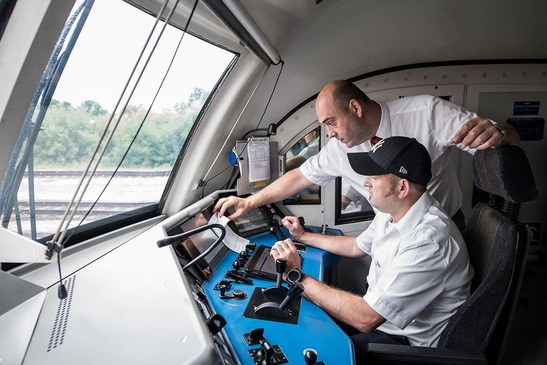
<point x="459" y="219"/>
<point x="360" y="341"/>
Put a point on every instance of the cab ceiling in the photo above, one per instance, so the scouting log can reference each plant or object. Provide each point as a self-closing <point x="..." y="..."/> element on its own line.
<point x="332" y="39"/>
<point x="340" y="39"/>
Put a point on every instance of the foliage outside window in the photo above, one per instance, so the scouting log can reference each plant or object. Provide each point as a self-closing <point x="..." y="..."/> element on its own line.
<point x="67" y="124"/>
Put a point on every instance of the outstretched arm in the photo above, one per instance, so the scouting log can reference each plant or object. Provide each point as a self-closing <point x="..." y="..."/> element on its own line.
<point x="481" y="134"/>
<point x="348" y="308"/>
<point x="285" y="186"/>
<point x="339" y="245"/>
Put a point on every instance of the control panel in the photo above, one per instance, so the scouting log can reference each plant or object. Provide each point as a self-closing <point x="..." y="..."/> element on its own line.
<point x="255" y="316"/>
<point x="268" y="321"/>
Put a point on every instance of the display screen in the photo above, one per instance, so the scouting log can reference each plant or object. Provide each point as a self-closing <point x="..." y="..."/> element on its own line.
<point x="254" y="222"/>
<point x="261" y="264"/>
<point x="193" y="246"/>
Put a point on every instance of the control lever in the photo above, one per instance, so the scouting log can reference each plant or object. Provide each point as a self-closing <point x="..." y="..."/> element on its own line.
<point x="268" y="354"/>
<point x="254" y="337"/>
<point x="278" y="290"/>
<point x="310" y="357"/>
<point x="236" y="294"/>
<point x="275" y="229"/>
<point x="302" y="223"/>
<point x="239" y="278"/>
<point x="274" y="309"/>
<point x="294" y="292"/>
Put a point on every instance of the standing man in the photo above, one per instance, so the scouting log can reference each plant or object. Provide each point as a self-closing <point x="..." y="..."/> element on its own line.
<point x="354" y="122"/>
<point x="420" y="272"/>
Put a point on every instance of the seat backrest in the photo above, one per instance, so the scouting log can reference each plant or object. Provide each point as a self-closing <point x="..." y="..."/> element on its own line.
<point x="497" y="245"/>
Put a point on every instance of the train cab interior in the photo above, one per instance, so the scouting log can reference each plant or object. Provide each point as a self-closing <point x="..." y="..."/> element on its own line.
<point x="123" y="122"/>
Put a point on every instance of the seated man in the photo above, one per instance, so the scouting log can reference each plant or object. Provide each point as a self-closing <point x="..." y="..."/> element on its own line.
<point x="420" y="272"/>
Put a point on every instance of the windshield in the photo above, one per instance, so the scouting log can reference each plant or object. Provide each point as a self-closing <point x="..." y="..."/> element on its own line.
<point x="100" y="81"/>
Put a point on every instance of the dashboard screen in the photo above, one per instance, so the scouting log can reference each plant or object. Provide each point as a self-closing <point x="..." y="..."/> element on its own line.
<point x="254" y="222"/>
<point x="196" y="244"/>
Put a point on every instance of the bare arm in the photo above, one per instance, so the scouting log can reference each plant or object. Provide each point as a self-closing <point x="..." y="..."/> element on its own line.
<point x="479" y="133"/>
<point x="287" y="185"/>
<point x="339" y="245"/>
<point x="347" y="307"/>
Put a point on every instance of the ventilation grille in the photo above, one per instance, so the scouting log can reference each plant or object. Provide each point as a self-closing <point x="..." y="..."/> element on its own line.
<point x="61" y="319"/>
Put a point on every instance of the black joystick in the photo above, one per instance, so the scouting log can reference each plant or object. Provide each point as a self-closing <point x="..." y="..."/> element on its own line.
<point x="276" y="310"/>
<point x="310" y="356"/>
<point x="236" y="294"/>
<point x="294" y="292"/>
<point x="278" y="290"/>
<point x="275" y="229"/>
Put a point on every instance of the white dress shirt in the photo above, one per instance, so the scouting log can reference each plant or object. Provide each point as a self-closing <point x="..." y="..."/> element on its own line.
<point x="420" y="272"/>
<point x="431" y="120"/>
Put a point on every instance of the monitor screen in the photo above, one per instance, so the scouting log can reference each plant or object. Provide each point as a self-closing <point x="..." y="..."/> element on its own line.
<point x="196" y="244"/>
<point x="254" y="222"/>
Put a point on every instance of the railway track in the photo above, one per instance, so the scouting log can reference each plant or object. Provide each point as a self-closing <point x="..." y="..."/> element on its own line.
<point x="101" y="208"/>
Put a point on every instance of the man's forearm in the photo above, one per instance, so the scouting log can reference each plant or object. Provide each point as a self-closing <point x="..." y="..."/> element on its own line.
<point x="338" y="245"/>
<point x="348" y="308"/>
<point x="285" y="186"/>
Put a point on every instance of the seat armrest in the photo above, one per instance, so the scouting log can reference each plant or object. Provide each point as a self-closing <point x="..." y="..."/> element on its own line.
<point x="379" y="353"/>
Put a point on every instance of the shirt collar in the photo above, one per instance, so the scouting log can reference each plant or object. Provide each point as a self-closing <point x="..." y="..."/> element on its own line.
<point x="410" y="220"/>
<point x="384" y="129"/>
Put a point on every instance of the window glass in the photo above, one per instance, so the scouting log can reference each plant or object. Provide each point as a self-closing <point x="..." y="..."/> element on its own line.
<point x="351" y="201"/>
<point x="63" y="128"/>
<point x="305" y="148"/>
<point x="351" y="206"/>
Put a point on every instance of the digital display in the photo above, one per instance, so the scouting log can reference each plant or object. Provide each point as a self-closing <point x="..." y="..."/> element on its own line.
<point x="261" y="264"/>
<point x="254" y="222"/>
<point x="196" y="244"/>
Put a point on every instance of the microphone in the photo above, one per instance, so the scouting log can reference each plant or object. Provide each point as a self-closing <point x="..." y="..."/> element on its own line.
<point x="179" y="237"/>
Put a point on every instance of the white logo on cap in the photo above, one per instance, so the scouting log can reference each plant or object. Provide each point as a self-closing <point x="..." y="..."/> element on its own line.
<point x="378" y="145"/>
<point x="402" y="170"/>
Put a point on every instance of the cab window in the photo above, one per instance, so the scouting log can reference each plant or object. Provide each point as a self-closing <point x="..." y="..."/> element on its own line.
<point x="302" y="150"/>
<point x="89" y="85"/>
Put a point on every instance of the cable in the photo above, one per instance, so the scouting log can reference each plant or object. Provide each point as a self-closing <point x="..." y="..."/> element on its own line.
<point x="204" y="182"/>
<point x="140" y="126"/>
<point x="102" y="138"/>
<point x="57" y="244"/>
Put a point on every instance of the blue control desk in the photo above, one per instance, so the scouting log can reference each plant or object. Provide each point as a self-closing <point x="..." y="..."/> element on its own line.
<point x="315" y="329"/>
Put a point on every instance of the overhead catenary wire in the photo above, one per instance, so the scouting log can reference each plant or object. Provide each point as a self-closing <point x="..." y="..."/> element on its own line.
<point x="141" y="124"/>
<point x="57" y="242"/>
<point x="58" y="237"/>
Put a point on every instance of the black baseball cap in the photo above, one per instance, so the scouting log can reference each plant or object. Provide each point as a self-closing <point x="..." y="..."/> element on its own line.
<point x="401" y="156"/>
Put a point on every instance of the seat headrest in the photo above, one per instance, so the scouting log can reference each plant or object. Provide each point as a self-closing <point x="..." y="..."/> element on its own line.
<point x="505" y="172"/>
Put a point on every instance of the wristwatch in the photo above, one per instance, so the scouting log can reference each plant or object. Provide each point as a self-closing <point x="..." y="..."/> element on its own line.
<point x="294" y="275"/>
<point x="503" y="133"/>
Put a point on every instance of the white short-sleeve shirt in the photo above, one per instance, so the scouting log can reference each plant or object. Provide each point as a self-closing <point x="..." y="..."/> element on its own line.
<point x="420" y="272"/>
<point x="431" y="120"/>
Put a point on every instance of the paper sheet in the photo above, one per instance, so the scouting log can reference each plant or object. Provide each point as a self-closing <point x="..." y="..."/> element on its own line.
<point x="259" y="159"/>
<point x="231" y="240"/>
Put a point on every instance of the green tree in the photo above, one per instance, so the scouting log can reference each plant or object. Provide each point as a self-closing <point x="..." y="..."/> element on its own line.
<point x="69" y="135"/>
<point x="93" y="108"/>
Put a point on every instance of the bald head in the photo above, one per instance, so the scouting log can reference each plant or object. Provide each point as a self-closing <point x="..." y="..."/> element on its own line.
<point x="339" y="93"/>
<point x="347" y="113"/>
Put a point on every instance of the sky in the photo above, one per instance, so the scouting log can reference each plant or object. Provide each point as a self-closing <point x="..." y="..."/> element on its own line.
<point x="108" y="49"/>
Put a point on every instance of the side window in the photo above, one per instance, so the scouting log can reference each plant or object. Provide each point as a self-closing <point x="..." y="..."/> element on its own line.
<point x="351" y="201"/>
<point x="351" y="206"/>
<point x="302" y="150"/>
